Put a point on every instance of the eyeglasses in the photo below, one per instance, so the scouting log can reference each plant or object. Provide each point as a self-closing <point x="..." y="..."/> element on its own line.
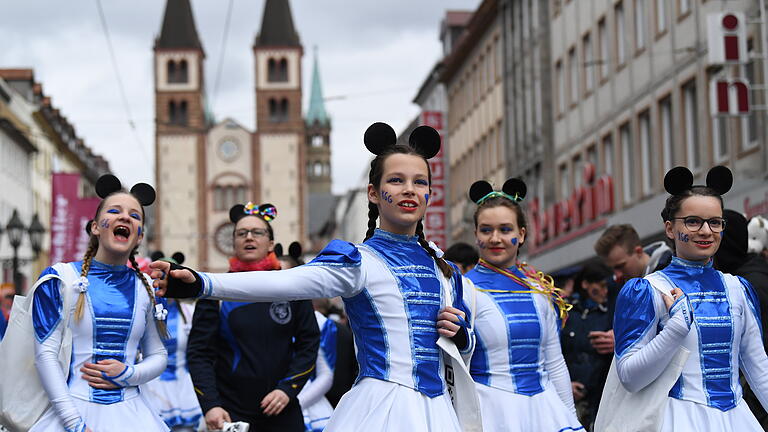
<point x="694" y="223"/>
<point x="256" y="232"/>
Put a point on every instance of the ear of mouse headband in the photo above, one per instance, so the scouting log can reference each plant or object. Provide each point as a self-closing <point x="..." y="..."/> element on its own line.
<point x="178" y="257"/>
<point x="109" y="184"/>
<point x="144" y="193"/>
<point x="378" y="137"/>
<point x="678" y="180"/>
<point x="278" y="250"/>
<point x="156" y="255"/>
<point x="479" y="190"/>
<point x="720" y="179"/>
<point x="268" y="212"/>
<point x="426" y="141"/>
<point x="294" y="250"/>
<point x="515" y="188"/>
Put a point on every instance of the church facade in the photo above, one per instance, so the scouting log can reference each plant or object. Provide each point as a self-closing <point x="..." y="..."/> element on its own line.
<point x="204" y="166"/>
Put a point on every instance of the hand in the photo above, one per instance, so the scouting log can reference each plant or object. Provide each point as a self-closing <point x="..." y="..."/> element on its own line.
<point x="447" y="321"/>
<point x="87" y="429"/>
<point x="92" y="372"/>
<point x="602" y="341"/>
<point x="215" y="418"/>
<point x="578" y="391"/>
<point x="669" y="301"/>
<point x="274" y="402"/>
<point x="161" y="270"/>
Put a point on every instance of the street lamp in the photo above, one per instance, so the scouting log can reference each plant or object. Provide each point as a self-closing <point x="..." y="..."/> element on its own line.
<point x="36" y="231"/>
<point x="15" y="230"/>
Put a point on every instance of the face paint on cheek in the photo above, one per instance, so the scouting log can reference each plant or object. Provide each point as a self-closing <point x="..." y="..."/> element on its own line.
<point x="426" y="198"/>
<point x="682" y="237"/>
<point x="386" y="197"/>
<point x="139" y="230"/>
<point x="514" y="241"/>
<point x="104" y="223"/>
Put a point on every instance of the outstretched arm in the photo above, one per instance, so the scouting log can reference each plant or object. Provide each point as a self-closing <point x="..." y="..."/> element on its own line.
<point x="335" y="272"/>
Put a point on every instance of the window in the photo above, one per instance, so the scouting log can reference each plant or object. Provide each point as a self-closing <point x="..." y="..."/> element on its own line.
<point x="720" y="138"/>
<point x="640" y="23"/>
<point x="277" y="71"/>
<point x="666" y="139"/>
<point x="646" y="148"/>
<point x="627" y="163"/>
<point x="171" y="71"/>
<point x="589" y="63"/>
<point x="177" y="73"/>
<point x="691" y="123"/>
<point x="183" y="72"/>
<point x="573" y="81"/>
<point x="178" y="113"/>
<point x="592" y="157"/>
<point x="271" y="70"/>
<point x="621" y="34"/>
<point x="564" y="183"/>
<point x="578" y="172"/>
<point x="683" y="7"/>
<point x="661" y="16"/>
<point x="284" y="109"/>
<point x="560" y="77"/>
<point x="749" y="123"/>
<point x="605" y="57"/>
<point x="317" y="171"/>
<point x="608" y="155"/>
<point x="317" y="141"/>
<point x="278" y="111"/>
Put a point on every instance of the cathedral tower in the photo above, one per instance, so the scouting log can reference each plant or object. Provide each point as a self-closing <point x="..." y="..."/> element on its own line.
<point x="318" y="127"/>
<point x="180" y="125"/>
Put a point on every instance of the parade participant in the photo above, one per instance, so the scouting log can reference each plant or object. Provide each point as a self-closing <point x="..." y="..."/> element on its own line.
<point x="463" y="255"/>
<point x="249" y="361"/>
<point x="711" y="314"/>
<point x="115" y="314"/>
<point x="394" y="287"/>
<point x="523" y="380"/>
<point x="172" y="393"/>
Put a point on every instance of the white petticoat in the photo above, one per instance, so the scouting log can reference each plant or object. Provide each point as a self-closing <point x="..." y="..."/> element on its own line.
<point x="316" y="416"/>
<point x="505" y="411"/>
<point x="130" y="415"/>
<point x="380" y="406"/>
<point x="175" y="401"/>
<point x="682" y="415"/>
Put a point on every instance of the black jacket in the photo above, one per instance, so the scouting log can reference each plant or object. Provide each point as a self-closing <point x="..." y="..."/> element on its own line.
<point x="239" y="352"/>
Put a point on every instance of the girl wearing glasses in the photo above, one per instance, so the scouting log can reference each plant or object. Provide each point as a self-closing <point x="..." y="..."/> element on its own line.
<point x="395" y="288"/>
<point x="713" y="315"/>
<point x="249" y="361"/>
<point x="522" y="380"/>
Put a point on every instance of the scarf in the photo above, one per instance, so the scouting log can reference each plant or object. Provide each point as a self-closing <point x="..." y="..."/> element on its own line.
<point x="269" y="262"/>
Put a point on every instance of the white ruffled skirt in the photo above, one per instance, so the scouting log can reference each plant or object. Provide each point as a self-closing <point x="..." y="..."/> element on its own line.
<point x="316" y="416"/>
<point x="175" y="400"/>
<point x="380" y="406"/>
<point x="504" y="411"/>
<point x="134" y="414"/>
<point x="682" y="415"/>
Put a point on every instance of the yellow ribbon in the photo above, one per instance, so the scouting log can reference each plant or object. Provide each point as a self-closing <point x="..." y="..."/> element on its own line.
<point x="538" y="282"/>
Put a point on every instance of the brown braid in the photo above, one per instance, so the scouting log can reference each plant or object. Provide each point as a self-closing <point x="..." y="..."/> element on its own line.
<point x="445" y="268"/>
<point x="373" y="214"/>
<point x="93" y="246"/>
<point x="162" y="328"/>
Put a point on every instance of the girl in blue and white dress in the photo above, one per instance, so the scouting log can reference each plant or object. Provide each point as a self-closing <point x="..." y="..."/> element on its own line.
<point x="523" y="382"/>
<point x="713" y="315"/>
<point x="316" y="408"/>
<point x="114" y="316"/>
<point x="394" y="289"/>
<point x="172" y="393"/>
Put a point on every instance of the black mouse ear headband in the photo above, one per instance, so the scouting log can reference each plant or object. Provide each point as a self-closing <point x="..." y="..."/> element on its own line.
<point x="268" y="212"/>
<point x="109" y="184"/>
<point x="514" y="189"/>
<point x="295" y="250"/>
<point x="424" y="140"/>
<point x="679" y="179"/>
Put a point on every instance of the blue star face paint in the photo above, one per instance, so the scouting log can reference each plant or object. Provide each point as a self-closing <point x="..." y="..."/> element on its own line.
<point x="682" y="237"/>
<point x="104" y="224"/>
<point x="426" y="198"/>
<point x="514" y="241"/>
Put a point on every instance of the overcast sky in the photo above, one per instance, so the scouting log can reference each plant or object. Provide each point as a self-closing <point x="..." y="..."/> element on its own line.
<point x="376" y="53"/>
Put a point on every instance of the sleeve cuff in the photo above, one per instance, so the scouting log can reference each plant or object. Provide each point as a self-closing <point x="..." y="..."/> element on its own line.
<point x="682" y="306"/>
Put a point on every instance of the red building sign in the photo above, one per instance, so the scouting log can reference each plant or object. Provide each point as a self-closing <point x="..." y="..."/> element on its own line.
<point x="435" y="226"/>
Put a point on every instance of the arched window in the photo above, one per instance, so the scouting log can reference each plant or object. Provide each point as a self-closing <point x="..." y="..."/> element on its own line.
<point x="171" y="71"/>
<point x="274" y="115"/>
<point x="317" y="141"/>
<point x="172" y="112"/>
<point x="183" y="72"/>
<point x="272" y="70"/>
<point x="318" y="169"/>
<point x="282" y="70"/>
<point x="284" y="109"/>
<point x="182" y="115"/>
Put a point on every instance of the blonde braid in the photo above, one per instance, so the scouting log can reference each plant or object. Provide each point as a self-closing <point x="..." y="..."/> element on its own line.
<point x="93" y="246"/>
<point x="162" y="327"/>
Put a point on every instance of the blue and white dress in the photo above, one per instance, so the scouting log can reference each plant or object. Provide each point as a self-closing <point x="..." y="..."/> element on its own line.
<point x="718" y="321"/>
<point x="523" y="382"/>
<point x="117" y="321"/>
<point x="316" y="408"/>
<point x="392" y="291"/>
<point x="172" y="393"/>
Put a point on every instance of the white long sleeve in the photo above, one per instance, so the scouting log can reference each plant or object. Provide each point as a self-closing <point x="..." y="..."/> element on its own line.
<point x="53" y="379"/>
<point x="753" y="360"/>
<point x="316" y="389"/>
<point x="154" y="358"/>
<point x="554" y="363"/>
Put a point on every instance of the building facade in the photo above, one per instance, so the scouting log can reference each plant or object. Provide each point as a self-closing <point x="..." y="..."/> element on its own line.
<point x="631" y="99"/>
<point x="204" y="167"/>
